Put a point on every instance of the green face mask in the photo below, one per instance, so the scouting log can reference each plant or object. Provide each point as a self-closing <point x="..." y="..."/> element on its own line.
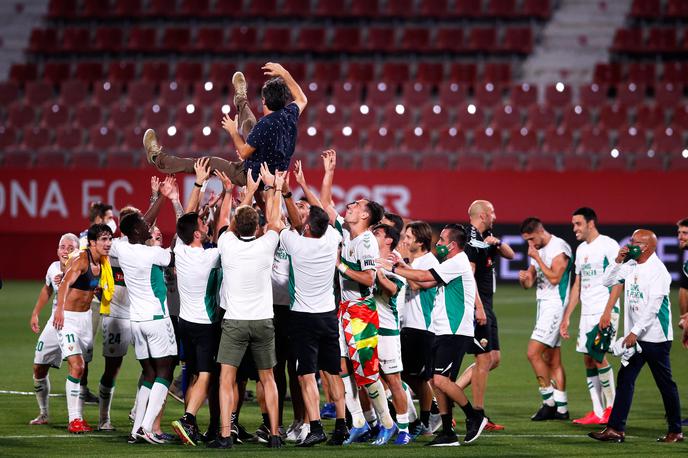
<point x="634" y="252"/>
<point x="442" y="250"/>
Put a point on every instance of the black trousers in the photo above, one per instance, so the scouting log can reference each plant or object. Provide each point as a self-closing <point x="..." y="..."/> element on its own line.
<point x="656" y="355"/>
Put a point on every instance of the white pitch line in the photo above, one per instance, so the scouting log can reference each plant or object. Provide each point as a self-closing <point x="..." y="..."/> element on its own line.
<point x="30" y="393"/>
<point x="94" y="436"/>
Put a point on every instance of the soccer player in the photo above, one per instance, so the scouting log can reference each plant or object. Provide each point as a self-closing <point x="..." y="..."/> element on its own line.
<point x="247" y="293"/>
<point x="683" y="282"/>
<point x="593" y="256"/>
<point x="417" y="340"/>
<point x="387" y="288"/>
<point x="272" y="139"/>
<point x="358" y="314"/>
<point x="648" y="333"/>
<point x="48" y="352"/>
<point x="549" y="271"/>
<point x="482" y="250"/>
<point x="313" y="330"/>
<point x="72" y="317"/>
<point x="453" y="316"/>
<point x="154" y="339"/>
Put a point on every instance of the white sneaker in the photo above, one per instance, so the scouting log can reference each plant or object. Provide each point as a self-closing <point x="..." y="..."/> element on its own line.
<point x="435" y="422"/>
<point x="105" y="426"/>
<point x="305" y="430"/>
<point x="148" y="436"/>
<point x="294" y="430"/>
<point x="41" y="419"/>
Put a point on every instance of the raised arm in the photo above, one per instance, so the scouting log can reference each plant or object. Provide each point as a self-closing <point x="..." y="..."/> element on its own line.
<point x="170" y="190"/>
<point x="244" y="150"/>
<point x="226" y="208"/>
<point x="301" y="181"/>
<point x="251" y="188"/>
<point x="329" y="158"/>
<point x="273" y="69"/>
<point x="202" y="170"/>
<point x="156" y="201"/>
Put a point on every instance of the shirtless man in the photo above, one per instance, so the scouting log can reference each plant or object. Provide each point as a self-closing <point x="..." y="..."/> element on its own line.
<point x="72" y="317"/>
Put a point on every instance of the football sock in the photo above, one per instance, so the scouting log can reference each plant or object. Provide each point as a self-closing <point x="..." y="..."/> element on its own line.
<point x="606" y="375"/>
<point x="375" y="392"/>
<point x="403" y="422"/>
<point x="73" y="390"/>
<point x="547" y="395"/>
<point x="156" y="400"/>
<point x="141" y="404"/>
<point x="595" y="390"/>
<point x="105" y="393"/>
<point x="447" y="427"/>
<point x="412" y="414"/>
<point x="352" y="402"/>
<point x="561" y="401"/>
<point x="42" y="388"/>
<point x="425" y="418"/>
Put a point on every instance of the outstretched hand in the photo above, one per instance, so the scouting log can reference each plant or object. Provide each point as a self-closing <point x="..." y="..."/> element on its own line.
<point x="169" y="188"/>
<point x="226" y="182"/>
<point x="155" y="186"/>
<point x="202" y="169"/>
<point x="298" y="174"/>
<point x="273" y="69"/>
<point x="266" y="175"/>
<point x="251" y="184"/>
<point x="230" y="124"/>
<point x="329" y="158"/>
<point x="279" y="179"/>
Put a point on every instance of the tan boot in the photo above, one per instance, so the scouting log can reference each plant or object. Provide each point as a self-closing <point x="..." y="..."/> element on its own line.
<point x="240" y="90"/>
<point x="151" y="145"/>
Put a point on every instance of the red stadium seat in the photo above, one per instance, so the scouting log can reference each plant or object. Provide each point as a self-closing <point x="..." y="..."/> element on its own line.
<point x="451" y="140"/>
<point x="518" y="40"/>
<point x="380" y="93"/>
<point x="434" y="116"/>
<point x="361" y="72"/>
<point x="540" y="9"/>
<point x="380" y="140"/>
<point x="347" y="93"/>
<point x="9" y="92"/>
<point x="506" y="162"/>
<point x="62" y="9"/>
<point x="189" y="72"/>
<point x="155" y="71"/>
<point x="452" y="94"/>
<point x="329" y="115"/>
<point x="630" y="94"/>
<point x="56" y="72"/>
<point x="662" y="39"/>
<point x="434" y="8"/>
<point x="436" y="161"/>
<point x="497" y="72"/>
<point x="222" y="71"/>
<point x="207" y="92"/>
<point x="575" y="117"/>
<point x="174" y="139"/>
<point x="557" y="141"/>
<point x="73" y="92"/>
<point x="593" y="141"/>
<point x="89" y="72"/>
<point x="88" y="115"/>
<point x="415" y="39"/>
<point x="18" y="159"/>
<point x="502" y="8"/>
<point x="395" y="72"/>
<point x="541" y="163"/>
<point x="51" y="160"/>
<point x="667" y="141"/>
<point x="449" y="39"/>
<point x="276" y="39"/>
<point x="205" y="139"/>
<point x="463" y="73"/>
<point x="628" y="40"/>
<point x="346" y="39"/>
<point x="326" y="72"/>
<point x="8" y="137"/>
<point x="161" y="8"/>
<point x="38" y="92"/>
<point x="102" y="139"/>
<point x="470" y="116"/>
<point x="679" y="160"/>
<point x="677" y="9"/>
<point x="296" y="8"/>
<point x="43" y="41"/>
<point x="21" y="115"/>
<point x="316" y="91"/>
<point x="668" y="94"/>
<point x="122" y="71"/>
<point x="558" y="94"/>
<point x="522" y="141"/>
<point x="242" y="39"/>
<point x="430" y="72"/>
<point x="363" y="8"/>
<point x="646" y="8"/>
<point x="612" y="116"/>
<point x="133" y="137"/>
<point x="209" y="39"/>
<point x="611" y="163"/>
<point x="397" y="116"/>
<point x="142" y="39"/>
<point x="487" y="141"/>
<point x="416" y="93"/>
<point x="650" y="116"/>
<point x="346" y="140"/>
<point x="76" y="39"/>
<point x="141" y="92"/>
<point x="86" y="159"/>
<point x="311" y="39"/>
<point x="468" y="8"/>
<point x="400" y="8"/>
<point x="311" y="139"/>
<point x="21" y="73"/>
<point x="128" y="8"/>
<point x="262" y="8"/>
<point x="680" y="117"/>
<point x="506" y="117"/>
<point x="108" y="39"/>
<point x="176" y="39"/>
<point x="416" y="139"/>
<point x="381" y="39"/>
<point x="523" y="94"/>
<point x="363" y="117"/>
<point x="488" y="94"/>
<point x="106" y="93"/>
<point x="400" y="161"/>
<point x="36" y="139"/>
<point x="156" y="117"/>
<point x="172" y="93"/>
<point x="649" y="161"/>
<point x="593" y="95"/>
<point x="641" y="73"/>
<point x="54" y="115"/>
<point x="576" y="163"/>
<point x="471" y="162"/>
<point x="631" y="141"/>
<point x="482" y="39"/>
<point x="607" y="73"/>
<point x="197" y="8"/>
<point x="123" y="159"/>
<point x="122" y="116"/>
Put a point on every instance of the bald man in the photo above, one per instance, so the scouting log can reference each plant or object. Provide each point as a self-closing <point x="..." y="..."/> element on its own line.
<point x="482" y="250"/>
<point x="647" y="328"/>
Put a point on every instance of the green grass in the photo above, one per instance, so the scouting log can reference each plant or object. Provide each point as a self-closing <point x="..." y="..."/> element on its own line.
<point x="512" y="397"/>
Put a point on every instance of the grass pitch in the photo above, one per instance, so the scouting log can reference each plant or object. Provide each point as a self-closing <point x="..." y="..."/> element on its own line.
<point x="511" y="398"/>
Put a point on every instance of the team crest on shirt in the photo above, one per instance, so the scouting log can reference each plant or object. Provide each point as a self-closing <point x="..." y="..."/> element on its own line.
<point x="351" y="253"/>
<point x="483" y="342"/>
<point x="70" y="348"/>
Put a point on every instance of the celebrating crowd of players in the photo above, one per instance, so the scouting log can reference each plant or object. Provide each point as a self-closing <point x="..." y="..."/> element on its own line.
<point x="358" y="301"/>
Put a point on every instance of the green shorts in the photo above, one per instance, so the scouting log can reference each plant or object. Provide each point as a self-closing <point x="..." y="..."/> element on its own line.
<point x="257" y="335"/>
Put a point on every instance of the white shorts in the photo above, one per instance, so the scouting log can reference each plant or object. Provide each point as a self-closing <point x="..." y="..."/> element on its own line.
<point x="549" y="315"/>
<point x="587" y="322"/>
<point x="389" y="354"/>
<point x="343" y="347"/>
<point x="154" y="339"/>
<point x="48" y="350"/>
<point x="116" y="336"/>
<point x="76" y="335"/>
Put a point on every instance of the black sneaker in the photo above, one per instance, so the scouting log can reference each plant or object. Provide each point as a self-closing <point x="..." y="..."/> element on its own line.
<point x="210" y="435"/>
<point x="132" y="439"/>
<point x="187" y="432"/>
<point x="262" y="434"/>
<point x="561" y="416"/>
<point x="474" y="427"/>
<point x="545" y="413"/>
<point x="90" y="398"/>
<point x="338" y="437"/>
<point x="274" y="442"/>
<point x="221" y="442"/>
<point x="444" y="440"/>
<point x="313" y="439"/>
<point x="240" y="434"/>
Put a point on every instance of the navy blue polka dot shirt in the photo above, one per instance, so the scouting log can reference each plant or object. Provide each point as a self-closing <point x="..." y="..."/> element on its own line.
<point x="274" y="138"/>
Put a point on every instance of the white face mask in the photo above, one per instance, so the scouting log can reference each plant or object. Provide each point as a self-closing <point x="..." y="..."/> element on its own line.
<point x="112" y="225"/>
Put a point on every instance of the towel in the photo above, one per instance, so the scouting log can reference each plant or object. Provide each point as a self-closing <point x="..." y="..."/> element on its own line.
<point x="619" y="349"/>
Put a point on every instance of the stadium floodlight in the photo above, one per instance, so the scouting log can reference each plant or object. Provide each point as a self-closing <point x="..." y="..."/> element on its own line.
<point x="382" y="131"/>
<point x="156" y="108"/>
<point x="208" y="86"/>
<point x="364" y="109"/>
<point x="225" y="109"/>
<point x="311" y="131"/>
<point x="418" y="131"/>
<point x="471" y="109"/>
<point x="400" y="109"/>
<point x="206" y="130"/>
<point x="171" y="131"/>
<point x="330" y="108"/>
<point x="347" y="131"/>
<point x="559" y="87"/>
<point x="190" y="108"/>
<point x="437" y="109"/>
<point x="615" y="153"/>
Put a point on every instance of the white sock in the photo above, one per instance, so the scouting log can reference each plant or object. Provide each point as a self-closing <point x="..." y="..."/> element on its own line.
<point x="353" y="403"/>
<point x="606" y="375"/>
<point x="547" y="395"/>
<point x="403" y="422"/>
<point x="141" y="403"/>
<point x="105" y="394"/>
<point x="412" y="414"/>
<point x="561" y="401"/>
<point x="73" y="390"/>
<point x="42" y="388"/>
<point x="156" y="400"/>
<point x="370" y="416"/>
<point x="594" y="388"/>
<point x="375" y="392"/>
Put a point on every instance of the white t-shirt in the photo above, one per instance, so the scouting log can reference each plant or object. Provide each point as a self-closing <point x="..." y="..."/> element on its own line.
<point x="388" y="306"/>
<point x="546" y="291"/>
<point x="198" y="279"/>
<point x="246" y="269"/>
<point x="312" y="269"/>
<point x="454" y="310"/>
<point x="592" y="260"/>
<point x="53" y="270"/>
<point x="647" y="310"/>
<point x="119" y="305"/>
<point x="418" y="304"/>
<point x="142" y="266"/>
<point x="280" y="277"/>
<point x="359" y="254"/>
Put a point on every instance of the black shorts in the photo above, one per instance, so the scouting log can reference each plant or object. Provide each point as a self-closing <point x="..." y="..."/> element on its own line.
<point x="281" y="323"/>
<point x="448" y="354"/>
<point x="200" y="343"/>
<point x="416" y="352"/>
<point x="486" y="336"/>
<point x="314" y="339"/>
